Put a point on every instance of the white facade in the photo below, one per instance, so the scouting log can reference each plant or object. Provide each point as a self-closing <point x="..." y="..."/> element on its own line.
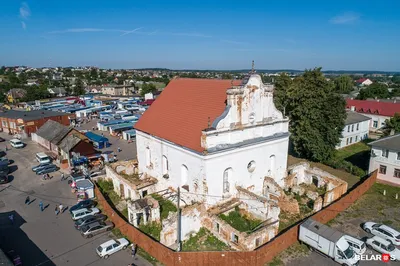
<point x="248" y="142"/>
<point x="366" y="82"/>
<point x="353" y="133"/>
<point x="388" y="164"/>
<point x="377" y="122"/>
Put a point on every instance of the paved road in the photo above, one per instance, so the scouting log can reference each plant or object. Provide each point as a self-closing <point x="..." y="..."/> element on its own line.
<point x="42" y="238"/>
<point x="128" y="149"/>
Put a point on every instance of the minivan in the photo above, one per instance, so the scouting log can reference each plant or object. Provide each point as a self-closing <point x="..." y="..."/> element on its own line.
<point x="42" y="158"/>
<point x="16" y="143"/>
<point x="357" y="245"/>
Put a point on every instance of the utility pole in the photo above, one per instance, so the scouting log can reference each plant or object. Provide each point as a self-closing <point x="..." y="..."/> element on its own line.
<point x="178" y="239"/>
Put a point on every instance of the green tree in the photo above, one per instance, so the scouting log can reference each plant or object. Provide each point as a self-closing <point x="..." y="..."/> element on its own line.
<point x="375" y="90"/>
<point x="343" y="84"/>
<point x="316" y="111"/>
<point x="79" y="89"/>
<point x="282" y="96"/>
<point x="396" y="79"/>
<point x="148" y="87"/>
<point x="392" y="124"/>
<point x="227" y="76"/>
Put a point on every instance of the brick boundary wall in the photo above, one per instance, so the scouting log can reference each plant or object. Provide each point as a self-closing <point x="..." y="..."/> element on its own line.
<point x="260" y="256"/>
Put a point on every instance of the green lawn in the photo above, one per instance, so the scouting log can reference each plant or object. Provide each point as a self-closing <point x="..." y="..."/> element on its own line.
<point x="204" y="241"/>
<point x="357" y="154"/>
<point x="239" y="222"/>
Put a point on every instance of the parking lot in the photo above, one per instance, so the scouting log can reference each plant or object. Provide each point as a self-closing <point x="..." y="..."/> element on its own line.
<point x="128" y="150"/>
<point x="42" y="238"/>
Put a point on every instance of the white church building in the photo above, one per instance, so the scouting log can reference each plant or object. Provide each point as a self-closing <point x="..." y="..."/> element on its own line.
<point x="210" y="137"/>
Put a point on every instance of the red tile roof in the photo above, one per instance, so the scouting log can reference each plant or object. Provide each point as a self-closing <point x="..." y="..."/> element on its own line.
<point x="181" y="111"/>
<point x="374" y="107"/>
<point x="361" y="80"/>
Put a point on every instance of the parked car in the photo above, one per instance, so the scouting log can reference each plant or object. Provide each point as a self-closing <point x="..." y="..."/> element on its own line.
<point x="89" y="219"/>
<point x="4" y="169"/>
<point x="383" y="246"/>
<point x="2" y="140"/>
<point x="111" y="246"/>
<point x="383" y="231"/>
<point x="4" y="159"/>
<point x="40" y="166"/>
<point x="83" y="204"/>
<point x="96" y="228"/>
<point x="78" y="214"/>
<point x="48" y="169"/>
<point x="3" y="178"/>
<point x="16" y="143"/>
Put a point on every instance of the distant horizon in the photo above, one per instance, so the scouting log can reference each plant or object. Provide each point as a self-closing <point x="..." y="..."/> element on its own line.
<point x="212" y="70"/>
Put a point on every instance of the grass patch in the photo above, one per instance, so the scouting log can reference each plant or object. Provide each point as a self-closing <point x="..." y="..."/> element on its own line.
<point x="387" y="222"/>
<point x="153" y="229"/>
<point x="141" y="252"/>
<point x="117" y="233"/>
<point x="294" y="251"/>
<point x="240" y="222"/>
<point x="204" y="240"/>
<point x="107" y="189"/>
<point x="166" y="206"/>
<point x="125" y="213"/>
<point x="349" y="151"/>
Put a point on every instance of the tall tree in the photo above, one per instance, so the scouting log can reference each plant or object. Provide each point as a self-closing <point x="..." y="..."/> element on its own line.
<point x="344" y="84"/>
<point x="392" y="124"/>
<point x="78" y="89"/>
<point x="375" y="90"/>
<point x="317" y="114"/>
<point x="282" y="96"/>
<point x="148" y="87"/>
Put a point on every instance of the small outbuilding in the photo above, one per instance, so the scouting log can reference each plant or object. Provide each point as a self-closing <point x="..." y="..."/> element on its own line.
<point x="85" y="186"/>
<point x="98" y="141"/>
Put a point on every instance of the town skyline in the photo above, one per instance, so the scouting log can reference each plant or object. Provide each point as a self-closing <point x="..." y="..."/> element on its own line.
<point x="203" y="35"/>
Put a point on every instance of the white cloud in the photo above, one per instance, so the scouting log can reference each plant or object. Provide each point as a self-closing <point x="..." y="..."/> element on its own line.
<point x="131" y="31"/>
<point x="24" y="11"/>
<point x="345" y="18"/>
<point x="23" y="25"/>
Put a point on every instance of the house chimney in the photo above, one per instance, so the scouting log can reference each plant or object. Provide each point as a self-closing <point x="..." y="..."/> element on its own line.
<point x="391" y="132"/>
<point x="353" y="108"/>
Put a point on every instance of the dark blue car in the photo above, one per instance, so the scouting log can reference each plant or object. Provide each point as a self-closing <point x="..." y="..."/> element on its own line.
<point x="83" y="204"/>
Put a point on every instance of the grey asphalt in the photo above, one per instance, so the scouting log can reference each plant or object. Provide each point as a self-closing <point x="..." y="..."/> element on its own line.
<point x="42" y="238"/>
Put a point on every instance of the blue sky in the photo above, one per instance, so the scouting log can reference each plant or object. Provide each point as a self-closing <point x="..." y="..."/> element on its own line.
<point x="219" y="34"/>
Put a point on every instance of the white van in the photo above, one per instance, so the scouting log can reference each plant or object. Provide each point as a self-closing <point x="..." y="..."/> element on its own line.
<point x="16" y="143"/>
<point x="356" y="244"/>
<point x="42" y="158"/>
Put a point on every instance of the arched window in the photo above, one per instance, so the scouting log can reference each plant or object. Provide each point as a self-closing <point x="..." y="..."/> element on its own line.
<point x="148" y="156"/>
<point x="184" y="174"/>
<point x="226" y="178"/>
<point x="164" y="165"/>
<point x="272" y="164"/>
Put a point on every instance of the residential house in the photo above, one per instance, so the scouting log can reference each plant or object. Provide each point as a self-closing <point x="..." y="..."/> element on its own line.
<point x="57" y="76"/>
<point x="364" y="82"/>
<point x="385" y="156"/>
<point x="75" y="144"/>
<point x="27" y="122"/>
<point x="31" y="82"/>
<point x="57" y="91"/>
<point x="14" y="95"/>
<point x="118" y="90"/>
<point x="377" y="110"/>
<point x="355" y="130"/>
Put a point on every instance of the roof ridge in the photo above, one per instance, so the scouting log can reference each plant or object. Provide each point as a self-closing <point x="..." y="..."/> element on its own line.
<point x="385" y="138"/>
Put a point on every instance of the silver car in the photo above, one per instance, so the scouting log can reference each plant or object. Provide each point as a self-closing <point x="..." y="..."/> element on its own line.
<point x="96" y="228"/>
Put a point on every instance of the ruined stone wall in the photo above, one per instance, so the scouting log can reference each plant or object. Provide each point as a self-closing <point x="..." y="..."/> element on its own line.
<point x="245" y="242"/>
